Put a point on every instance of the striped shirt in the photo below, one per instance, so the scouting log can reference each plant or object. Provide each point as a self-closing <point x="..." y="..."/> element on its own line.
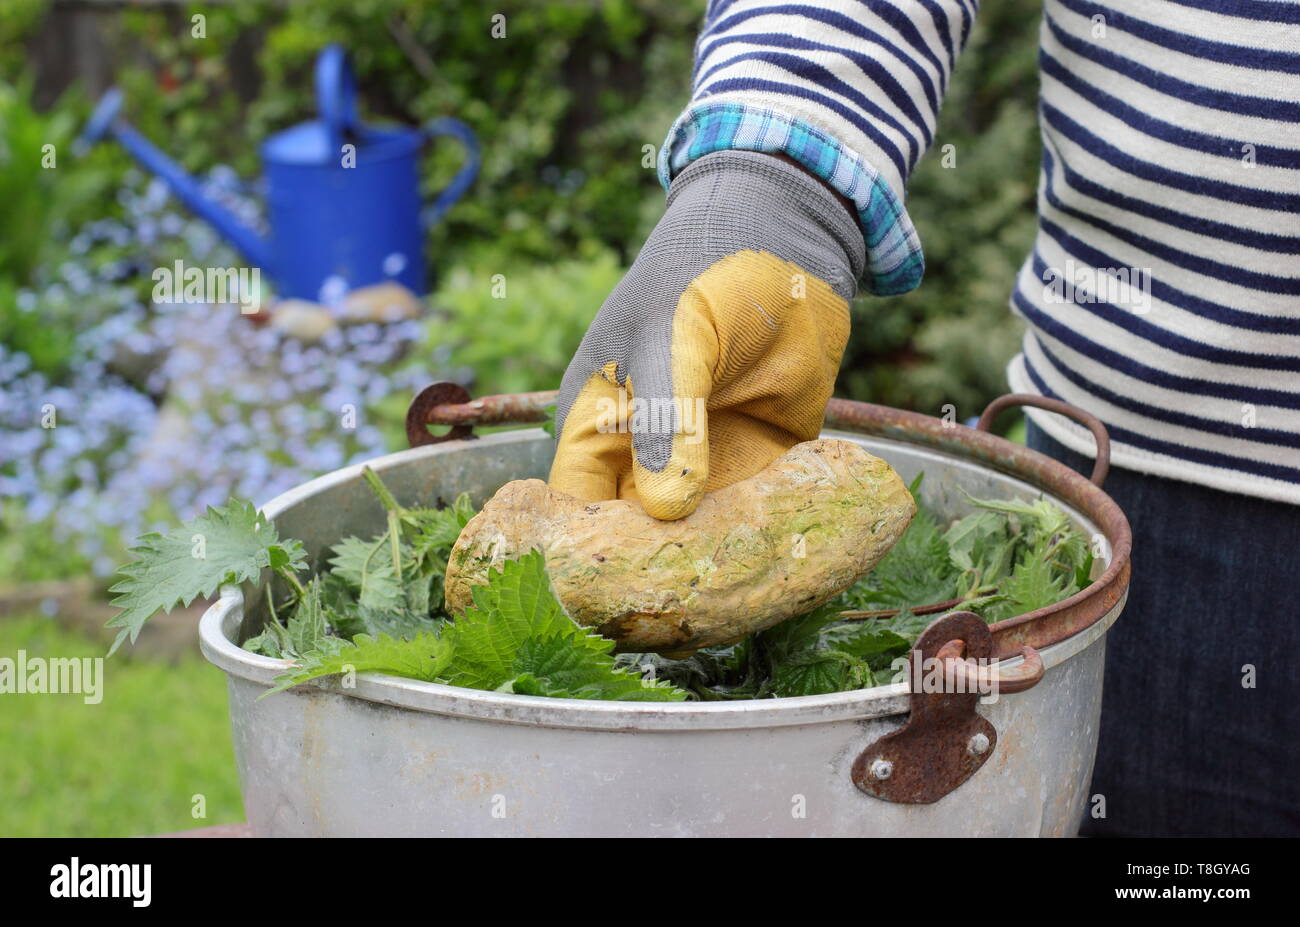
<point x="1163" y="290"/>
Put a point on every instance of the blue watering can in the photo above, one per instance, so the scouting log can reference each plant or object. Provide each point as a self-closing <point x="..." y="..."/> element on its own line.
<point x="343" y="199"/>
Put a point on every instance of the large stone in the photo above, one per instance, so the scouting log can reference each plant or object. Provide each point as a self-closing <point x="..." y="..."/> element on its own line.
<point x="768" y="548"/>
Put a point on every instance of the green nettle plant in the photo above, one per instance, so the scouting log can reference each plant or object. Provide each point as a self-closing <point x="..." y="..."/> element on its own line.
<point x="379" y="606"/>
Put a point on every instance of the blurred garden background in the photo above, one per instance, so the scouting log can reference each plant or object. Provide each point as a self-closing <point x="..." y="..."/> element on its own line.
<point x="163" y="409"/>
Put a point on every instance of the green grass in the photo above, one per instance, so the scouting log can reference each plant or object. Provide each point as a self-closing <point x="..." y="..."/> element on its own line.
<point x="127" y="766"/>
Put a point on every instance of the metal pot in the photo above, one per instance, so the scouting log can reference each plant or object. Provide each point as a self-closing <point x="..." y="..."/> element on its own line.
<point x="400" y="757"/>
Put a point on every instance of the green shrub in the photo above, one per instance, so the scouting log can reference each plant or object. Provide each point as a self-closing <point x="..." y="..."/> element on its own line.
<point x="46" y="193"/>
<point x="505" y="330"/>
<point x="45" y="190"/>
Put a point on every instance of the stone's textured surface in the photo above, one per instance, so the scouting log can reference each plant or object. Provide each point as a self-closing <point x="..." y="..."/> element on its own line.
<point x="753" y="554"/>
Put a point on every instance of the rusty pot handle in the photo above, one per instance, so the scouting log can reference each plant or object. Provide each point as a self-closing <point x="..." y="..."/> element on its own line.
<point x="1087" y="419"/>
<point x="972" y="677"/>
<point x="450" y="404"/>
<point x="423" y="410"/>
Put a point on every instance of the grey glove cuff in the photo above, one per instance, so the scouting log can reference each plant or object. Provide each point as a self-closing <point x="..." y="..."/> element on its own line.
<point x="763" y="203"/>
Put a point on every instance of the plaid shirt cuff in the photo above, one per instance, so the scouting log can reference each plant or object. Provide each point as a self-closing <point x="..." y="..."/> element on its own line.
<point x="894" y="260"/>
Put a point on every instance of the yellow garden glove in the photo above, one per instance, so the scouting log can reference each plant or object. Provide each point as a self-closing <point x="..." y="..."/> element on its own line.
<point x="719" y="349"/>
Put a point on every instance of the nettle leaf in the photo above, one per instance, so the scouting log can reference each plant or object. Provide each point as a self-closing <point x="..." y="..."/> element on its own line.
<point x="1083" y="572"/>
<point x="797" y="634"/>
<point x="865" y="639"/>
<point x="980" y="542"/>
<point x="889" y="675"/>
<point x="417" y="591"/>
<point x="1036" y="583"/>
<point x="515" y="638"/>
<point x="339" y="602"/>
<point x="1072" y="554"/>
<point x="556" y="659"/>
<point x="231" y="544"/>
<point x="268" y="643"/>
<point x="817" y="673"/>
<point x="402" y="623"/>
<point x="517" y="628"/>
<point x="307" y="627"/>
<point x="367" y="567"/>
<point x="1037" y="517"/>
<point x="424" y="656"/>
<point x="906" y="624"/>
<point x="514" y="605"/>
<point x="439" y="528"/>
<point x="916" y="571"/>
<point x="554" y="666"/>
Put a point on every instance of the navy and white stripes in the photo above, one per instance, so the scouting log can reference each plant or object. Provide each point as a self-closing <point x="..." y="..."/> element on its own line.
<point x="1169" y="201"/>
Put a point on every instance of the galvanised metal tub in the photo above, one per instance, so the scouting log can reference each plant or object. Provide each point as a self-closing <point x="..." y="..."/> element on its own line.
<point x="393" y="756"/>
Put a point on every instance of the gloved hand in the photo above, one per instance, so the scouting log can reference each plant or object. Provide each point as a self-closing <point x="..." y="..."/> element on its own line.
<point x="719" y="349"/>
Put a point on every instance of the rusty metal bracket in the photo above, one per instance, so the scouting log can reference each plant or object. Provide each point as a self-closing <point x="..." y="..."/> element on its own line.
<point x="944" y="740"/>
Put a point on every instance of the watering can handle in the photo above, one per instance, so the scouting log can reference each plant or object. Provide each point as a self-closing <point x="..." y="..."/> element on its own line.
<point x="100" y="122"/>
<point x="336" y="94"/>
<point x="464" y="177"/>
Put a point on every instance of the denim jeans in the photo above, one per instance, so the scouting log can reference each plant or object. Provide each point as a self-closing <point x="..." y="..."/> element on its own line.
<point x="1191" y="745"/>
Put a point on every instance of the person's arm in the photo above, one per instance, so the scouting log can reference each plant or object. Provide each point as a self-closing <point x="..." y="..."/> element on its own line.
<point x="849" y="89"/>
<point x="719" y="349"/>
